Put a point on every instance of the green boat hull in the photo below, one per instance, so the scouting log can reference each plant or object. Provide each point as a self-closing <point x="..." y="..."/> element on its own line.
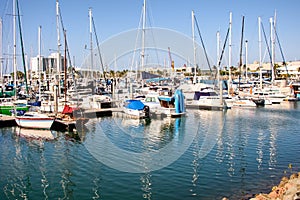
<point x="6" y="110"/>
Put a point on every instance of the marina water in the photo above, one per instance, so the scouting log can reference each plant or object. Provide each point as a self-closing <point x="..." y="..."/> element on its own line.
<point x="213" y="154"/>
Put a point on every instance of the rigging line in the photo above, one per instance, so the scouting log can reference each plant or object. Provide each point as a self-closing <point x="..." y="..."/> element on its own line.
<point x="241" y="50"/>
<point x="268" y="48"/>
<point x="63" y="28"/>
<point x="22" y="48"/>
<point x="100" y="56"/>
<point x="136" y="41"/>
<point x="223" y="50"/>
<point x="202" y="44"/>
<point x="150" y="17"/>
<point x="156" y="53"/>
<point x="284" y="63"/>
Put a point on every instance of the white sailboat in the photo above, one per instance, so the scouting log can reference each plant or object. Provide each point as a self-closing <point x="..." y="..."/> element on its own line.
<point x="205" y="96"/>
<point x="34" y="120"/>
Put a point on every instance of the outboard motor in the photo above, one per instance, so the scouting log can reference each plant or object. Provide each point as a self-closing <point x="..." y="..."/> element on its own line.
<point x="147" y="111"/>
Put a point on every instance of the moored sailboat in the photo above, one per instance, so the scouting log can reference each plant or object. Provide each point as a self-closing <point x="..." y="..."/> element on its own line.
<point x="34" y="120"/>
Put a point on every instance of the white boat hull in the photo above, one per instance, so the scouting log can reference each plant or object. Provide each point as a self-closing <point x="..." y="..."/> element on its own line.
<point x="135" y="113"/>
<point x="35" y="123"/>
<point x="240" y="103"/>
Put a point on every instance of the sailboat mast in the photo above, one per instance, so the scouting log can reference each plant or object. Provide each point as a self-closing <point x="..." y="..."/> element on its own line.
<point x="241" y="50"/>
<point x="58" y="40"/>
<point x="246" y="59"/>
<point x="218" y="55"/>
<point x="15" y="47"/>
<point x="39" y="59"/>
<point x="272" y="48"/>
<point x="194" y="44"/>
<point x="91" y="40"/>
<point x="260" y="52"/>
<point x="143" y="38"/>
<point x="65" y="67"/>
<point x="22" y="48"/>
<point x="230" y="49"/>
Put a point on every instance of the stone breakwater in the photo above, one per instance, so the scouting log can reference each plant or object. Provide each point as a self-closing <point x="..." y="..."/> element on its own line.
<point x="287" y="189"/>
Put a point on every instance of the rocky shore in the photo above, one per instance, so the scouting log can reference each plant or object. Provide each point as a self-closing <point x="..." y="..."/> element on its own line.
<point x="287" y="189"/>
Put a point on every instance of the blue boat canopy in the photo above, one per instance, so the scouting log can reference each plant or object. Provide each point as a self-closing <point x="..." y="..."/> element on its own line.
<point x="134" y="104"/>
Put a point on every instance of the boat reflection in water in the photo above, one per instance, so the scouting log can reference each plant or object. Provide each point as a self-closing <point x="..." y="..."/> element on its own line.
<point x="41" y="134"/>
<point x="138" y="145"/>
<point x="209" y="135"/>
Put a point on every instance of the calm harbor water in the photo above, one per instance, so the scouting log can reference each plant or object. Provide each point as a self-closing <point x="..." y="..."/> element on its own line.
<point x="210" y="154"/>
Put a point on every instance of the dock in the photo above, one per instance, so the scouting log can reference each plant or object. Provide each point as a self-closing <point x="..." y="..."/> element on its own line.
<point x="66" y="125"/>
<point x="81" y="118"/>
<point x="104" y="112"/>
<point x="7" y="121"/>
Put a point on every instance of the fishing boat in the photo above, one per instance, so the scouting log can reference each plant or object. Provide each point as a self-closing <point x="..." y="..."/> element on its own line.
<point x="165" y="103"/>
<point x="136" y="109"/>
<point x="34" y="120"/>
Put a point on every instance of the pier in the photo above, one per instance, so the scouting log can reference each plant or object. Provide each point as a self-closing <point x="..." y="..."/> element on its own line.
<point x="7" y="121"/>
<point x="66" y="124"/>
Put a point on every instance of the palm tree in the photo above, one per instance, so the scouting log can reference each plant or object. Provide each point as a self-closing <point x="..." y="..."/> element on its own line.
<point x="20" y="75"/>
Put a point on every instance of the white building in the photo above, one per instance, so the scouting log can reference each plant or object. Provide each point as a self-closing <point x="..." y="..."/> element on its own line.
<point x="48" y="65"/>
<point x="292" y="69"/>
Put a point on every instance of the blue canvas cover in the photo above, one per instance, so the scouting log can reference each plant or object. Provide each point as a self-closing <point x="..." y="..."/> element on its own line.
<point x="134" y="104"/>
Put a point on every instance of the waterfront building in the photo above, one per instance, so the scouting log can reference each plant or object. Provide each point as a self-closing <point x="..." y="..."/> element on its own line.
<point x="292" y="70"/>
<point x="48" y="64"/>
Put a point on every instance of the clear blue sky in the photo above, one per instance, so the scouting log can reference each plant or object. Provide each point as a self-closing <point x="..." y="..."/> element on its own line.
<point x="115" y="16"/>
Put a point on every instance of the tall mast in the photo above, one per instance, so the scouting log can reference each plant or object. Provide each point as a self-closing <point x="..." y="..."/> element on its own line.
<point x="229" y="48"/>
<point x="143" y="38"/>
<point x="272" y="49"/>
<point x="91" y="41"/>
<point x="58" y="39"/>
<point x="260" y="53"/>
<point x="39" y="59"/>
<point x="241" y="51"/>
<point x="218" y="55"/>
<point x="246" y="59"/>
<point x="65" y="67"/>
<point x="274" y="38"/>
<point x="22" y="47"/>
<point x="194" y="44"/>
<point x="15" y="47"/>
